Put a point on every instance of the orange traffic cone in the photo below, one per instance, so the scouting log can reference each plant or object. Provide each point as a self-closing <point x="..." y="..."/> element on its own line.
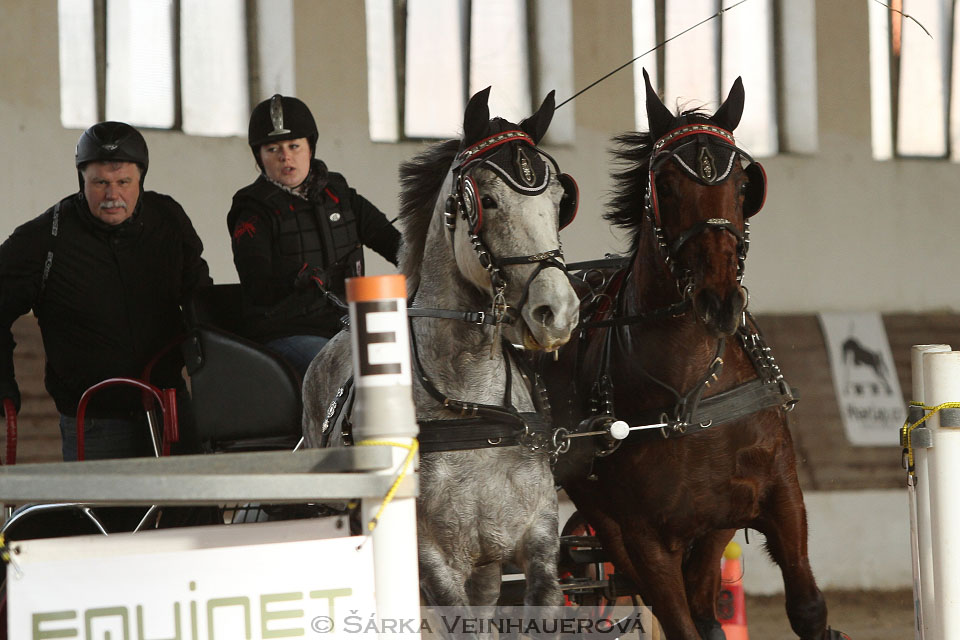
<point x="731" y="609"/>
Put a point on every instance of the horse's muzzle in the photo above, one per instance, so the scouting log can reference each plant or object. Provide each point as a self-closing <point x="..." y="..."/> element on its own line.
<point x="720" y="316"/>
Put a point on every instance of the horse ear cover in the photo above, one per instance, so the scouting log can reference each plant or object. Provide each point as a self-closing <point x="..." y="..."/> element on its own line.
<point x="476" y="118"/>
<point x="536" y="125"/>
<point x="728" y="114"/>
<point x="570" y="201"/>
<point x="756" y="193"/>
<point x="659" y="118"/>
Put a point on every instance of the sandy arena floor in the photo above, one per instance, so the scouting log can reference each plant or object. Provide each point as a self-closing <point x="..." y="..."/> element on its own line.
<point x="863" y="615"/>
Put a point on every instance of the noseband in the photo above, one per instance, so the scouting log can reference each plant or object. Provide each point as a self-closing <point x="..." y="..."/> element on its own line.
<point x="700" y="138"/>
<point x="465" y="202"/>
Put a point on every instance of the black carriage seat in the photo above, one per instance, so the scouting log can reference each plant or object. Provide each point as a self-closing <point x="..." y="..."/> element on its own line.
<point x="244" y="397"/>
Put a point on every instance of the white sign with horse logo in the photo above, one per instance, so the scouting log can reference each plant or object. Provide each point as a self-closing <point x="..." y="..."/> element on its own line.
<point x="864" y="378"/>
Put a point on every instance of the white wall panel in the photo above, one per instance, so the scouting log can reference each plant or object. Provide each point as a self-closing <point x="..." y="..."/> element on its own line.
<point x="140" y="70"/>
<point x="214" y="84"/>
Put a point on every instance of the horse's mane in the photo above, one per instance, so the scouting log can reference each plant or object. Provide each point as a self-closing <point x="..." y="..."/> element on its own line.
<point x="420" y="182"/>
<point x="632" y="153"/>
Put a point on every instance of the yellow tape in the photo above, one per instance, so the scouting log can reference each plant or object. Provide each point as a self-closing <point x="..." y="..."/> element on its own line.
<point x="906" y="430"/>
<point x="411" y="452"/>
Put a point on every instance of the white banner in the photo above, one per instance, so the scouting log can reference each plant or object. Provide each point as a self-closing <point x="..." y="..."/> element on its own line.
<point x="864" y="378"/>
<point x="269" y="580"/>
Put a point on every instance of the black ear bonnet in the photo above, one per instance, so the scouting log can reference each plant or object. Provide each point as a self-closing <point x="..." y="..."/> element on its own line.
<point x="707" y="154"/>
<point x="513" y="156"/>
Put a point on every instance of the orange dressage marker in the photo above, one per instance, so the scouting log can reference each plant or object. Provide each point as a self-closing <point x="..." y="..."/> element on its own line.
<point x="376" y="288"/>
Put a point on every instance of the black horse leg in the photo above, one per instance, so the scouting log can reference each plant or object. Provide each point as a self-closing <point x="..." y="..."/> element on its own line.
<point x="701" y="574"/>
<point x="784" y="523"/>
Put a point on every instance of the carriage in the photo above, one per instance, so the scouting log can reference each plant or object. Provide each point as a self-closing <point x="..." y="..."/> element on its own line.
<point x="484" y="268"/>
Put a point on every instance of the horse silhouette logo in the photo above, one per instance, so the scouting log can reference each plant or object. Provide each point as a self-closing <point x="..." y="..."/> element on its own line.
<point x="865" y="369"/>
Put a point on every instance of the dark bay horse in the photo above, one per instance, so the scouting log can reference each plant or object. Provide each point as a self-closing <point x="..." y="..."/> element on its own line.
<point x="666" y="342"/>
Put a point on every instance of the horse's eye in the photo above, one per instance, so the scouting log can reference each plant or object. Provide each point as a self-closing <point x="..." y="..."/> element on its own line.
<point x="664" y="190"/>
<point x="488" y="203"/>
<point x="743" y="188"/>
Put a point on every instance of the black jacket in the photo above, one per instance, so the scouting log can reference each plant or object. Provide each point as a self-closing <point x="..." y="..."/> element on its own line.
<point x="277" y="234"/>
<point x="111" y="301"/>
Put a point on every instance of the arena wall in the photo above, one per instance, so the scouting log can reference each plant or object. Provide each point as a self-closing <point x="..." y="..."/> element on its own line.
<point x="840" y="231"/>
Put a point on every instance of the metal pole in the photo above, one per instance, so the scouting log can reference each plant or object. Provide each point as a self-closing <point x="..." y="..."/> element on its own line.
<point x="941" y="383"/>
<point x="918" y="499"/>
<point x="384" y="412"/>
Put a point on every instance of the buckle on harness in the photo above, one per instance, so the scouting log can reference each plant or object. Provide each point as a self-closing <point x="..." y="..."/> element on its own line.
<point x="478" y="317"/>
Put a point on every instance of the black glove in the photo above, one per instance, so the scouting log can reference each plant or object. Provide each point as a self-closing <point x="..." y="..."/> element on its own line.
<point x="10" y="390"/>
<point x="309" y="277"/>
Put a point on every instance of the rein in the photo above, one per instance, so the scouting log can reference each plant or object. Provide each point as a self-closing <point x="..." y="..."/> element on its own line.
<point x="605" y="309"/>
<point x="478" y="425"/>
<point x="768" y="389"/>
<point x="485" y="425"/>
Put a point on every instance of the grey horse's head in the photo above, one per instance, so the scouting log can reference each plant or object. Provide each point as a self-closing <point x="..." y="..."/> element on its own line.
<point x="501" y="202"/>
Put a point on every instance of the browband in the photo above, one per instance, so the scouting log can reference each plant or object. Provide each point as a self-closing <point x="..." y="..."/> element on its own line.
<point x="485" y="145"/>
<point x="690" y="130"/>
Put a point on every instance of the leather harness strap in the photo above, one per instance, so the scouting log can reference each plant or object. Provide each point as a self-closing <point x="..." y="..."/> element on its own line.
<point x="727" y="406"/>
<point x="691" y="412"/>
<point x="460" y="434"/>
<point x="485" y="425"/>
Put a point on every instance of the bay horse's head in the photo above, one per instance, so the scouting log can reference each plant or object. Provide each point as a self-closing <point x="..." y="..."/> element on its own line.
<point x="699" y="191"/>
<point x="503" y="202"/>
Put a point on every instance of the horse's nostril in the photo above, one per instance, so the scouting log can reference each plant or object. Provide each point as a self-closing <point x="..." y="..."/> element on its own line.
<point x="544" y="315"/>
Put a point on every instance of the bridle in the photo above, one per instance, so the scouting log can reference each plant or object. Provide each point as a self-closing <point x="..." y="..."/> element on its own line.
<point x="464" y="202"/>
<point x="488" y="425"/>
<point x="700" y="138"/>
<point x="694" y="147"/>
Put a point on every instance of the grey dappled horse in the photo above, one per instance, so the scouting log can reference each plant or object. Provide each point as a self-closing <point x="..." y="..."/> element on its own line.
<point x="480" y="220"/>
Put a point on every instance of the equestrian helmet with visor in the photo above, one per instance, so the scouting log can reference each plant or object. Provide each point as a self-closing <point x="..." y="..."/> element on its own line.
<point x="281" y="118"/>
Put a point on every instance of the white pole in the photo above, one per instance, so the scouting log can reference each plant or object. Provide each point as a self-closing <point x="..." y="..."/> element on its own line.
<point x="384" y="412"/>
<point x="941" y="383"/>
<point x="918" y="498"/>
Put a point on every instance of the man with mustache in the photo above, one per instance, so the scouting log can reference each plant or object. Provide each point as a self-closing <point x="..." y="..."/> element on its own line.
<point x="105" y="271"/>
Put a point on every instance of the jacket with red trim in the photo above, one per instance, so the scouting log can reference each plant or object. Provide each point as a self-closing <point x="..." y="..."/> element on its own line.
<point x="276" y="235"/>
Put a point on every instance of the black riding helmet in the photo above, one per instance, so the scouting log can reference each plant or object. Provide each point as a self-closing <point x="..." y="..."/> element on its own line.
<point x="112" y="141"/>
<point x="280" y="118"/>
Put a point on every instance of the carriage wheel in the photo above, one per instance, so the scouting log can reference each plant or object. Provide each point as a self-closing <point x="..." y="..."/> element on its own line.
<point x="601" y="572"/>
<point x="597" y="571"/>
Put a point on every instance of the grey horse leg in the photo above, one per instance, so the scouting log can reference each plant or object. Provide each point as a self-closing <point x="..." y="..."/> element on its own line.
<point x="441" y="585"/>
<point x="483" y="591"/>
<point x="539" y="551"/>
<point x="483" y="587"/>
